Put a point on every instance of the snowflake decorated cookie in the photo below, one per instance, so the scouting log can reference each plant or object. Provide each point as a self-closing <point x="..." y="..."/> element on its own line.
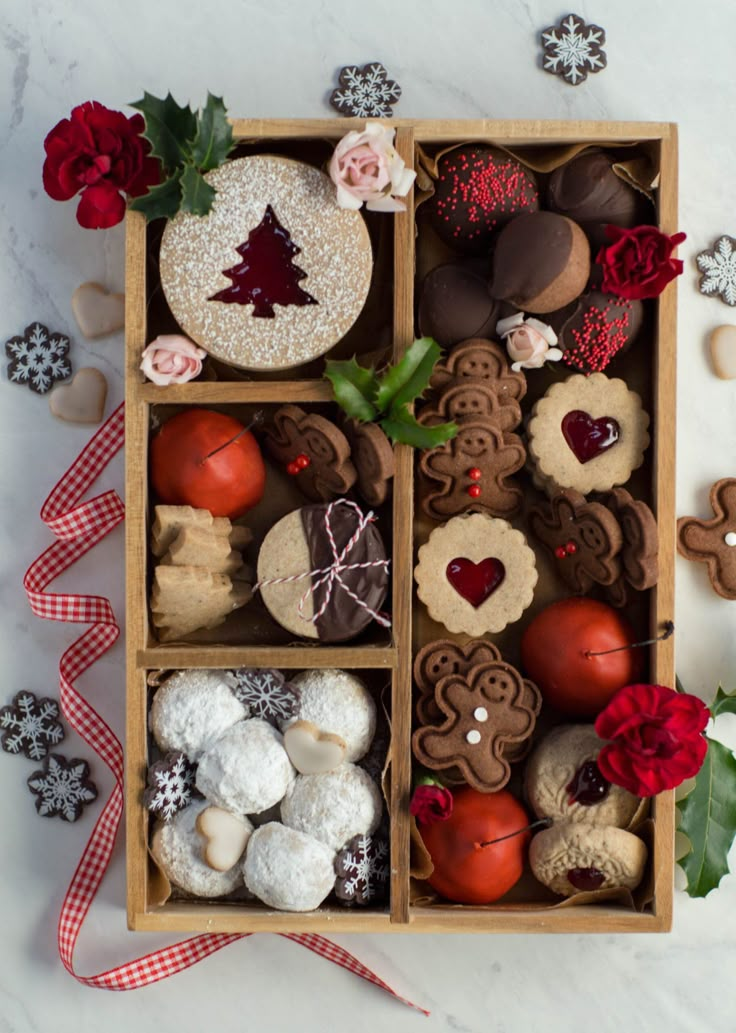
<point x="363" y="870"/>
<point x="573" y="50"/>
<point x="718" y="266"/>
<point x="265" y="693"/>
<point x="170" y="785"/>
<point x="38" y="358"/>
<point x="30" y="726"/>
<point x="365" y="92"/>
<point x="62" y="787"/>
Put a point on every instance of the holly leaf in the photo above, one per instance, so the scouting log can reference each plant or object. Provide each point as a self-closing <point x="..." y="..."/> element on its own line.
<point x="708" y="819"/>
<point x="196" y="193"/>
<point x="170" y="128"/>
<point x="354" y="388"/>
<point x="401" y="426"/>
<point x="162" y="201"/>
<point x="410" y="377"/>
<point x="214" y="139"/>
<point x="724" y="703"/>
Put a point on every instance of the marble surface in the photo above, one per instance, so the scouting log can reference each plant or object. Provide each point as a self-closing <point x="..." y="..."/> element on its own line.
<point x="668" y="60"/>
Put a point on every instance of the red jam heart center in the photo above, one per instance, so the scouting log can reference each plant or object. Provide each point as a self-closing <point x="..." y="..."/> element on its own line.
<point x="586" y="878"/>
<point x="587" y="437"/>
<point x="475" y="581"/>
<point x="588" y="786"/>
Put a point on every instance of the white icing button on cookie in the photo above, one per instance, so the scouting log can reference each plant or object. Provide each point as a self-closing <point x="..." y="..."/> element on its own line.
<point x="480" y="714"/>
<point x="730" y="538"/>
<point x="473" y="736"/>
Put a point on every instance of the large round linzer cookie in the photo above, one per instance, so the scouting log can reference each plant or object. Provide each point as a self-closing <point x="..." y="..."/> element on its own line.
<point x="276" y="274"/>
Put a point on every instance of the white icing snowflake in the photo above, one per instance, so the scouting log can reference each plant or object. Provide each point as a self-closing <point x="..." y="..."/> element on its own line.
<point x="719" y="268"/>
<point x="265" y="693"/>
<point x="31" y="726"/>
<point x="363" y="869"/>
<point x="171" y="782"/>
<point x="38" y="358"/>
<point x="572" y="49"/>
<point x="365" y="92"/>
<point x="62" y="788"/>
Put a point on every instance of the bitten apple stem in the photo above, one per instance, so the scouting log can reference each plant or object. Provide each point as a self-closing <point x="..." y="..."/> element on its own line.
<point x="546" y="822"/>
<point x="257" y="418"/>
<point x="669" y="628"/>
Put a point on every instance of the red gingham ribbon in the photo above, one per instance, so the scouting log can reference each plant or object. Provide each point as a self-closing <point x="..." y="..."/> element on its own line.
<point x="78" y="526"/>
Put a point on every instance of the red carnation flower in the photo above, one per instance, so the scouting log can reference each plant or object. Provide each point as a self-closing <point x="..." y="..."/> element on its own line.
<point x="638" y="262"/>
<point x="431" y="803"/>
<point x="655" y="738"/>
<point x="102" y="154"/>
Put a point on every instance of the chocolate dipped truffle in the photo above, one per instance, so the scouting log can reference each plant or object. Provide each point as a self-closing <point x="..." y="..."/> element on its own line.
<point x="478" y="190"/>
<point x="455" y="304"/>
<point x="541" y="262"/>
<point x="599" y="327"/>
<point x="587" y="190"/>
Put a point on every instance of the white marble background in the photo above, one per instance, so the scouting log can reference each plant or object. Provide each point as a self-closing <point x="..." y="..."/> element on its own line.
<point x="668" y="60"/>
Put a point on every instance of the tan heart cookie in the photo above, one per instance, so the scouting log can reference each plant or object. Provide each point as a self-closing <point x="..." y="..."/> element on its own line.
<point x="312" y="751"/>
<point x="82" y="400"/>
<point x="98" y="312"/>
<point x="226" y="837"/>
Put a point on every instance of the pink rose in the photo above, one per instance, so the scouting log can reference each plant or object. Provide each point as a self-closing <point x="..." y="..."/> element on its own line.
<point x="172" y="359"/>
<point x="528" y="341"/>
<point x="366" y="169"/>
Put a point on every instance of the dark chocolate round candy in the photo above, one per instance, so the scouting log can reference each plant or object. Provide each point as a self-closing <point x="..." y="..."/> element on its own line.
<point x="455" y="304"/>
<point x="478" y="190"/>
<point x="541" y="262"/>
<point x="587" y="190"/>
<point x="599" y="327"/>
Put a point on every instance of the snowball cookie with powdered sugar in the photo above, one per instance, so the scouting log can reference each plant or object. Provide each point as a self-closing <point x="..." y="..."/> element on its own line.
<point x="287" y="869"/>
<point x="247" y="770"/>
<point x="178" y="849"/>
<point x="191" y="710"/>
<point x="335" y="806"/>
<point x="337" y="703"/>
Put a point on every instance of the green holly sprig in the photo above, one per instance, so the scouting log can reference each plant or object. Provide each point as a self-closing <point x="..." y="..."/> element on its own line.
<point x="386" y="398"/>
<point x="188" y="144"/>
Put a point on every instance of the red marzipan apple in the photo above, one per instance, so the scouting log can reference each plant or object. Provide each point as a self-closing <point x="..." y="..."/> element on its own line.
<point x="555" y="652"/>
<point x="184" y="472"/>
<point x="466" y="871"/>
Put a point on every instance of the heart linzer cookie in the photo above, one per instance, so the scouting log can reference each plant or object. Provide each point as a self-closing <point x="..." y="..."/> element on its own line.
<point x="476" y="574"/>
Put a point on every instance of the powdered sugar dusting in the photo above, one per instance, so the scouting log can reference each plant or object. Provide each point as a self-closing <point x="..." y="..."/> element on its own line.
<point x="335" y="255"/>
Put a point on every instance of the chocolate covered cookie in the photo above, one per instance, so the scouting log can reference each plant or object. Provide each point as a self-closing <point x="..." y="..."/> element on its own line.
<point x="455" y="304"/>
<point x="600" y="327"/>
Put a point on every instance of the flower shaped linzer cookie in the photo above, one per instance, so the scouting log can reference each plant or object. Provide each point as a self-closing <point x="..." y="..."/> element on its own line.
<point x="484" y="710"/>
<point x="713" y="541"/>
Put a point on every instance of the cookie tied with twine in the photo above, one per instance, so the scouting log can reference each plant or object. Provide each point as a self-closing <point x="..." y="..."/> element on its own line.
<point x="323" y="572"/>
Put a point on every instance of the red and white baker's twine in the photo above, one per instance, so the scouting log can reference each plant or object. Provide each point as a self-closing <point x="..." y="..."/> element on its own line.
<point x="78" y="527"/>
<point x="332" y="576"/>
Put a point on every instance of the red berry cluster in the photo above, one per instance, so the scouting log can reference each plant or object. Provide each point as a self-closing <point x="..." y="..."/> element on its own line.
<point x="568" y="549"/>
<point x="301" y="462"/>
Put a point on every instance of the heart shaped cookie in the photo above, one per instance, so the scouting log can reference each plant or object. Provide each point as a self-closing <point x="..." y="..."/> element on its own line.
<point x="82" y="400"/>
<point x="475" y="581"/>
<point x="226" y="837"/>
<point x="98" y="312"/>
<point x="312" y="751"/>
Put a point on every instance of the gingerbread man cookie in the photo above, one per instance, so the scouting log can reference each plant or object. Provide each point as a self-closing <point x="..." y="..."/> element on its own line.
<point x="476" y="574"/>
<point x="312" y="450"/>
<point x="640" y="548"/>
<point x="373" y="458"/>
<point x="479" y="359"/>
<point x="584" y="538"/>
<point x="714" y="541"/>
<point x="470" y="399"/>
<point x="436" y="660"/>
<point x="472" y="471"/>
<point x="588" y="433"/>
<point x="483" y="712"/>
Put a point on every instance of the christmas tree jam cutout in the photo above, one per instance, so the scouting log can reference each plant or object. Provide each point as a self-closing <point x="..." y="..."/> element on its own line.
<point x="267" y="275"/>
